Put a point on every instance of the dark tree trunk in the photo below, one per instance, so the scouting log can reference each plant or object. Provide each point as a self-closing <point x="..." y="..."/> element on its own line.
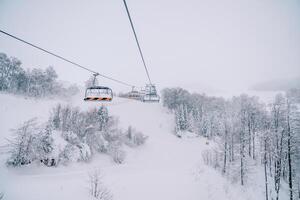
<point x="265" y="167"/>
<point x="242" y="154"/>
<point x="225" y="151"/>
<point x="232" y="149"/>
<point x="278" y="167"/>
<point x="253" y="145"/>
<point x="249" y="139"/>
<point x="289" y="156"/>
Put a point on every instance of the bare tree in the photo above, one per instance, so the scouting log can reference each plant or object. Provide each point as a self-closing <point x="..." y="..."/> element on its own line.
<point x="265" y="166"/>
<point x="277" y="115"/>
<point x="238" y="125"/>
<point x="292" y="131"/>
<point x="265" y="141"/>
<point x="97" y="188"/>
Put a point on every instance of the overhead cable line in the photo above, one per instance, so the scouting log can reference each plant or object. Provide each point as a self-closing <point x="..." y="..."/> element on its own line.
<point x="66" y="60"/>
<point x="137" y="41"/>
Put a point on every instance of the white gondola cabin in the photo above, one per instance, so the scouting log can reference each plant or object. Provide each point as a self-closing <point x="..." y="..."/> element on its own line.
<point x="98" y="93"/>
<point x="150" y="94"/>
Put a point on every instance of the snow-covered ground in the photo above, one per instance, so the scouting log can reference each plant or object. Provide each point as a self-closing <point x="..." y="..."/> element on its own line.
<point x="166" y="167"/>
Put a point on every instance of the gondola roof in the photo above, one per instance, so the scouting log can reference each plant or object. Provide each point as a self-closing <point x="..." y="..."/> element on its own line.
<point x="99" y="87"/>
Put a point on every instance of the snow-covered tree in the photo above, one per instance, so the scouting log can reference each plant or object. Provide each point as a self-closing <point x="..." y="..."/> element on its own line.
<point x="103" y="118"/>
<point x="182" y="118"/>
<point x="22" y="151"/>
<point x="245" y="130"/>
<point x="44" y="146"/>
<point x="9" y="73"/>
<point x="82" y="134"/>
<point x="32" y="82"/>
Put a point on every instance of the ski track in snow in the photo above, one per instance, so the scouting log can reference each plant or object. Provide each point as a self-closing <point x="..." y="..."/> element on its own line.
<point x="166" y="167"/>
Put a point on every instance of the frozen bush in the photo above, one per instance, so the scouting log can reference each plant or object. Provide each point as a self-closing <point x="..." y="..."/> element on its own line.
<point x="85" y="152"/>
<point x="71" y="137"/>
<point x="68" y="154"/>
<point x="112" y="133"/>
<point x="74" y="153"/>
<point x="117" y="154"/>
<point x="30" y="143"/>
<point x="134" y="138"/>
<point x="22" y="150"/>
<point x="96" y="142"/>
<point x="44" y="139"/>
<point x="139" y="138"/>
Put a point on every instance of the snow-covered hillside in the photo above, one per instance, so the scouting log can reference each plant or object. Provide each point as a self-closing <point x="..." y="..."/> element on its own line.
<point x="166" y="167"/>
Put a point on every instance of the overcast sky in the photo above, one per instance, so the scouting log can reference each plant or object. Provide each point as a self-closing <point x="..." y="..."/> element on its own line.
<point x="203" y="45"/>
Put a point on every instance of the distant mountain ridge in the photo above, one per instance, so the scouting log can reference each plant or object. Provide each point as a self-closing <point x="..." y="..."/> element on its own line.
<point x="278" y="85"/>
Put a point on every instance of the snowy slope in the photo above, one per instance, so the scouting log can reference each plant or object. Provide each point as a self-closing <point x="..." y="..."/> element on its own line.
<point x="166" y="167"/>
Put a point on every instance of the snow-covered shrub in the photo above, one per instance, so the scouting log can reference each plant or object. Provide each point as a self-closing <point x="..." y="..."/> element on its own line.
<point x="134" y="138"/>
<point x="22" y="151"/>
<point x="44" y="146"/>
<point x="112" y="133"/>
<point x="32" y="143"/>
<point x="117" y="154"/>
<point x="71" y="135"/>
<point x="1" y="195"/>
<point x="75" y="152"/>
<point x="44" y="141"/>
<point x="85" y="152"/>
<point x="94" y="129"/>
<point x="139" y="138"/>
<point x="97" y="188"/>
<point x="69" y="154"/>
<point x="96" y="142"/>
<point x="68" y="119"/>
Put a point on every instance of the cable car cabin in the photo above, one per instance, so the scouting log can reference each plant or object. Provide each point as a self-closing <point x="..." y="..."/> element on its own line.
<point x="98" y="93"/>
<point x="150" y="94"/>
<point x="150" y="98"/>
<point x="134" y="95"/>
